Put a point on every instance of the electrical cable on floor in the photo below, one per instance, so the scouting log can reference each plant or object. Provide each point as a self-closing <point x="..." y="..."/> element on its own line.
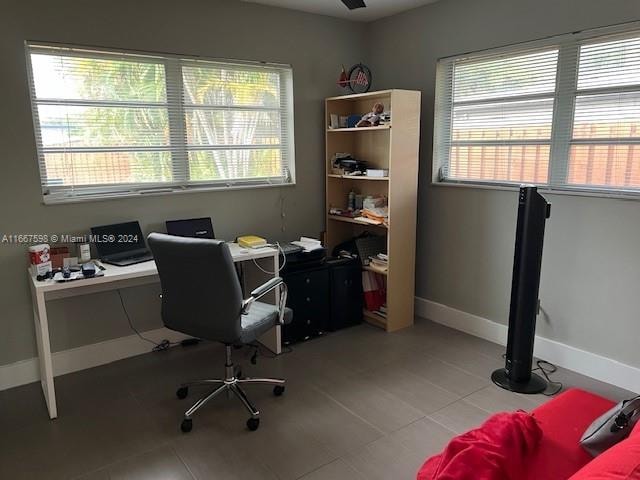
<point x="549" y="370"/>
<point x="157" y="347"/>
<point x="256" y="348"/>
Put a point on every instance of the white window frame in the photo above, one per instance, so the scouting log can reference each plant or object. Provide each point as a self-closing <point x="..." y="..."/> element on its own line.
<point x="568" y="46"/>
<point x="178" y="147"/>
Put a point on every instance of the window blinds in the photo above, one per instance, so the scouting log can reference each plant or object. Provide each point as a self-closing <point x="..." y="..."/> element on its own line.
<point x="562" y="113"/>
<point x="604" y="148"/>
<point x="117" y="123"/>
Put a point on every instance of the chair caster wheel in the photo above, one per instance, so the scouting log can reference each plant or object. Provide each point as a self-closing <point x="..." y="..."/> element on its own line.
<point x="182" y="392"/>
<point x="253" y="424"/>
<point x="187" y="425"/>
<point x="278" y="390"/>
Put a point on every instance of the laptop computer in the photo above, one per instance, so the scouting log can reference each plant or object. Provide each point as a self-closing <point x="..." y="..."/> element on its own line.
<point x="121" y="244"/>
<point x="191" y="227"/>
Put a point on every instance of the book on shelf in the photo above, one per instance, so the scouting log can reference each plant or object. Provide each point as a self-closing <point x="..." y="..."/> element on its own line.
<point x="378" y="263"/>
<point x="374" y="291"/>
<point x="380" y="313"/>
<point x="339" y="212"/>
<point x="377" y="172"/>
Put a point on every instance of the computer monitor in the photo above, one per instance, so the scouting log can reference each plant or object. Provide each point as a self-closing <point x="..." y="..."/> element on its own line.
<point x="118" y="239"/>
<point x="191" y="227"/>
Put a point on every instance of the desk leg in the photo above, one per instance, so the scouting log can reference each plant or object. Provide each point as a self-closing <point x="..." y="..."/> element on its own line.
<point x="44" y="352"/>
<point x="273" y="338"/>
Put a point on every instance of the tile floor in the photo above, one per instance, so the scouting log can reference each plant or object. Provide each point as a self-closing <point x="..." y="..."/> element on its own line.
<point x="360" y="404"/>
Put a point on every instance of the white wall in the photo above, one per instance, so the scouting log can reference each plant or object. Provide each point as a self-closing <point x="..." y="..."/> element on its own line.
<point x="591" y="268"/>
<point x="314" y="45"/>
<point x="590" y="287"/>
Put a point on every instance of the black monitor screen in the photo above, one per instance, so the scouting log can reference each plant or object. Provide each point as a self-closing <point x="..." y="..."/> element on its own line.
<point x="192" y="227"/>
<point x="118" y="238"/>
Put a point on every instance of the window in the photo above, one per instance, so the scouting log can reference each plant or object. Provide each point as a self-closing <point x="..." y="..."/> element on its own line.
<point x="114" y="123"/>
<point x="562" y="113"/>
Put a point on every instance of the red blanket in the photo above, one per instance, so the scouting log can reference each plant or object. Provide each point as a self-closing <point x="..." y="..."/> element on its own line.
<point x="495" y="451"/>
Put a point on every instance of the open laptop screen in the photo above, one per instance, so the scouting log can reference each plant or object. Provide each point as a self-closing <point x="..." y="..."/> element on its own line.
<point x="192" y="227"/>
<point x="118" y="238"/>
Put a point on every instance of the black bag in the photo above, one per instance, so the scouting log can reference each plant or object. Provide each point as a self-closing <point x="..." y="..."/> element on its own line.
<point x="611" y="427"/>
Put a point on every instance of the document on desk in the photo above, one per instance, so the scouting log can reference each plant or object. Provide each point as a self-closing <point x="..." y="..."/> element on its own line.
<point x="59" y="277"/>
<point x="308" y="244"/>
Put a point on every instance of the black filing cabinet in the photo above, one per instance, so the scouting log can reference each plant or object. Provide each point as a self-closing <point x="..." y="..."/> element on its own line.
<point x="345" y="290"/>
<point x="308" y="297"/>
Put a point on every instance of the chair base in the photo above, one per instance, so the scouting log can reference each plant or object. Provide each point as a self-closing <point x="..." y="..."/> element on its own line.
<point x="230" y="384"/>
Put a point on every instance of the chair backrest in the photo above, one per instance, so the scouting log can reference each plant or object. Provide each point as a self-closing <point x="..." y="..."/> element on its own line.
<point x="201" y="294"/>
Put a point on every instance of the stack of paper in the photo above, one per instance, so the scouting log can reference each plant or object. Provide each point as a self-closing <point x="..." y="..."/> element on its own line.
<point x="380" y="262"/>
<point x="382" y="311"/>
<point x="308" y="244"/>
<point x="379" y="213"/>
<point x="368" y="220"/>
<point x="375" y="215"/>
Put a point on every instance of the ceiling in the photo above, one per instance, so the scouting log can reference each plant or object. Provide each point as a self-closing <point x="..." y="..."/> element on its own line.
<point x="335" y="8"/>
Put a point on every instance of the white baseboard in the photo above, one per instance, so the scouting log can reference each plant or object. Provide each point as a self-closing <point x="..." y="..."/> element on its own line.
<point x="86" y="356"/>
<point x="590" y="364"/>
<point x="587" y="363"/>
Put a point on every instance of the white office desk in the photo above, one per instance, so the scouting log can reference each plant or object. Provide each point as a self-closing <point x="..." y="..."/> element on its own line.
<point x="115" y="278"/>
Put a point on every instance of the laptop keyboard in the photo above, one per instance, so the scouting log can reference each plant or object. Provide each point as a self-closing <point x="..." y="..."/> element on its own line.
<point x="139" y="257"/>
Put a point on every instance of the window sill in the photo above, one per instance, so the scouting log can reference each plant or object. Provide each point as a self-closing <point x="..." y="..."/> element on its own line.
<point x="57" y="200"/>
<point x="575" y="192"/>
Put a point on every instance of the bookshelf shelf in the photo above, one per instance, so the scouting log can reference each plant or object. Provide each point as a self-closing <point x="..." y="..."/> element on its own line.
<point x="396" y="151"/>
<point x="353" y="220"/>
<point x="374" y="319"/>
<point x="359" y="177"/>
<point x="359" y="129"/>
<point x="373" y="269"/>
<point x="363" y="96"/>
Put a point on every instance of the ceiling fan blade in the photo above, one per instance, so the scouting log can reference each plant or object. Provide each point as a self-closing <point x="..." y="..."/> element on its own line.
<point x="353" y="4"/>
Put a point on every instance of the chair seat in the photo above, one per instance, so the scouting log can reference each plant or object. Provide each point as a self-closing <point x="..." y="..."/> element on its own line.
<point x="261" y="318"/>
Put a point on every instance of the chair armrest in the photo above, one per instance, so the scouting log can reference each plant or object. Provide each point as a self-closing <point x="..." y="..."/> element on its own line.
<point x="266" y="287"/>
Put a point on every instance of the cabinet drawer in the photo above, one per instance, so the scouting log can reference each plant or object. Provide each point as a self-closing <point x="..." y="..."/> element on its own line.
<point x="308" y="297"/>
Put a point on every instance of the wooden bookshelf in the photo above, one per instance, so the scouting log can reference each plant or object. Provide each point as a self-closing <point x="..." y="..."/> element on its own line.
<point x="383" y="147"/>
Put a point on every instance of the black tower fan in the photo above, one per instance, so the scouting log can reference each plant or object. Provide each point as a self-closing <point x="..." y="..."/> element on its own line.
<point x="533" y="211"/>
